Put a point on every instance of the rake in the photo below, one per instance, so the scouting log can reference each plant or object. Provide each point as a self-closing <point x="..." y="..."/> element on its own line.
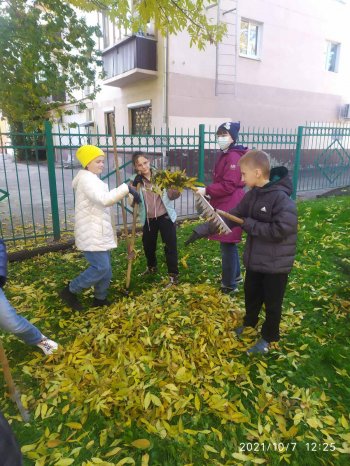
<point x="214" y="215"/>
<point x="131" y="252"/>
<point x="122" y="203"/>
<point x="14" y="392"/>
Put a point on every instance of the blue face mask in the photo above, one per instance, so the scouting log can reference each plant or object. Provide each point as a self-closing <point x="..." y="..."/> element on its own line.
<point x="224" y="141"/>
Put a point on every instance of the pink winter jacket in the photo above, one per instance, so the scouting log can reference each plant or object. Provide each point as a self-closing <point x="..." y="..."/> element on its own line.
<point x="226" y="191"/>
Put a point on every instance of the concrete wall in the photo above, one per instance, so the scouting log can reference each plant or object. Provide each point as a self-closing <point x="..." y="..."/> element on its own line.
<point x="287" y="86"/>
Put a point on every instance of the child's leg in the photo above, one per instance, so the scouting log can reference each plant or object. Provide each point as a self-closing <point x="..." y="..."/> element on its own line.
<point x="14" y="323"/>
<point x="168" y="233"/>
<point x="149" y="241"/>
<point x="254" y="297"/>
<point x="274" y="288"/>
<point x="229" y="265"/>
<point x="101" y="287"/>
<point x="98" y="272"/>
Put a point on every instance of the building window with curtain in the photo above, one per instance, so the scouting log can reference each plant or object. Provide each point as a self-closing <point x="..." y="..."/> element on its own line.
<point x="332" y="56"/>
<point x="141" y="120"/>
<point x="250" y="39"/>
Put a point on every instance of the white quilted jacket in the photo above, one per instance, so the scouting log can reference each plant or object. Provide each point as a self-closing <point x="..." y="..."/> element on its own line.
<point x="93" y="224"/>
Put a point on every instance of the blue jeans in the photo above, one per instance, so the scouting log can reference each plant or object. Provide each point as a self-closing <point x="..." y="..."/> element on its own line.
<point x="98" y="275"/>
<point x="14" y="323"/>
<point x="230" y="265"/>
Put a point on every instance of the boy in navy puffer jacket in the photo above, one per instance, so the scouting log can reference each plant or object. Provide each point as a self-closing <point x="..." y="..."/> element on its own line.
<point x="11" y="322"/>
<point x="270" y="221"/>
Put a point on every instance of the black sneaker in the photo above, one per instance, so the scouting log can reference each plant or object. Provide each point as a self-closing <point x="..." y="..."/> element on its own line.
<point x="70" y="299"/>
<point x="101" y="302"/>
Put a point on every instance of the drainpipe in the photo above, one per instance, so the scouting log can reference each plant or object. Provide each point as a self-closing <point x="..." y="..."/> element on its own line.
<point x="166" y="83"/>
<point x="217" y="50"/>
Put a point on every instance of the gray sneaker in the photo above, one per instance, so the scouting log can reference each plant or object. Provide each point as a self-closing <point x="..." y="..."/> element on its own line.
<point x="149" y="271"/>
<point x="260" y="347"/>
<point x="228" y="290"/>
<point x="173" y="280"/>
<point x="239" y="330"/>
<point x="239" y="279"/>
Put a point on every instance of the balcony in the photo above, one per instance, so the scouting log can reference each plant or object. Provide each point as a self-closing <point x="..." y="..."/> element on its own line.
<point x="132" y="60"/>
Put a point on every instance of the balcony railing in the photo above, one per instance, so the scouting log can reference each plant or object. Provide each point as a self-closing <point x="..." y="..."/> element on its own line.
<point x="131" y="60"/>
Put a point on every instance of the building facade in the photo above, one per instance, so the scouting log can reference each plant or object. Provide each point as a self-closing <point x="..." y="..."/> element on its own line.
<point x="282" y="63"/>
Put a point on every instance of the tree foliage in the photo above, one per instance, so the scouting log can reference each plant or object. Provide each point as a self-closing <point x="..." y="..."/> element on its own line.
<point x="47" y="52"/>
<point x="169" y="16"/>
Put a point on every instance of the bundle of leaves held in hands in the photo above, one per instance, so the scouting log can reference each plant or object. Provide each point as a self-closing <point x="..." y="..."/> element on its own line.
<point x="165" y="179"/>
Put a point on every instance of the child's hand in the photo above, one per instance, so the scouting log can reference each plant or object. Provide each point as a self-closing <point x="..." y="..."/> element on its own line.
<point x="137" y="180"/>
<point x="173" y="194"/>
<point x="135" y="194"/>
<point x="201" y="191"/>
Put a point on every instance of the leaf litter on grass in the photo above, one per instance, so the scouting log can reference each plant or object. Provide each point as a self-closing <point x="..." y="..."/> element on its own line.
<point x="162" y="359"/>
<point x="165" y="366"/>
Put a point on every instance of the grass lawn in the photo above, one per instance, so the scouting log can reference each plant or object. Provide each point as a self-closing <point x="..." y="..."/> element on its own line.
<point x="160" y="379"/>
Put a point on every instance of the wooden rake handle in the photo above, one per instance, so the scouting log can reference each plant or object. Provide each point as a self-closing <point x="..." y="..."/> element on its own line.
<point x="131" y="254"/>
<point x="14" y="393"/>
<point x="231" y="217"/>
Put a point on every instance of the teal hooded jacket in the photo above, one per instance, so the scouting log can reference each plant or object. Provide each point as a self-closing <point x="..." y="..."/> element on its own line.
<point x="168" y="204"/>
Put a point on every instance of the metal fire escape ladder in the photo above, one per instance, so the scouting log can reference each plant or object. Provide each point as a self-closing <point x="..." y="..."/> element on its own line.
<point x="227" y="50"/>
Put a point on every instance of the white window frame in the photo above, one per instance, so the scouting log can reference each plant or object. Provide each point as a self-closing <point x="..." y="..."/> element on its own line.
<point x="328" y="51"/>
<point x="106" y="38"/>
<point x="258" y="42"/>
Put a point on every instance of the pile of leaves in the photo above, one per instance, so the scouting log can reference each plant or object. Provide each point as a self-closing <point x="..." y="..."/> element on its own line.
<point x="166" y="179"/>
<point x="160" y="379"/>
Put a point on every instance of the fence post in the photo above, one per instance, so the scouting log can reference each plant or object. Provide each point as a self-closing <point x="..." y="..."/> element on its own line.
<point x="201" y="154"/>
<point x="50" y="153"/>
<point x="297" y="161"/>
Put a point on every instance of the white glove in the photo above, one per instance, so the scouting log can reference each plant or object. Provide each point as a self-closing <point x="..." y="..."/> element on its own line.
<point x="201" y="191"/>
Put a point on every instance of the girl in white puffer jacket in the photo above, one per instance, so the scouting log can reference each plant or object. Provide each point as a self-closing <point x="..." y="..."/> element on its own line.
<point x="93" y="228"/>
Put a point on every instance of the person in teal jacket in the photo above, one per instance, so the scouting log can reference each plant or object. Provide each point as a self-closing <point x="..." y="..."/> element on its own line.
<point x="157" y="214"/>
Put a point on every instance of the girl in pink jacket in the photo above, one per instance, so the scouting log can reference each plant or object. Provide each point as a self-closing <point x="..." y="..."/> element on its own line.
<point x="225" y="193"/>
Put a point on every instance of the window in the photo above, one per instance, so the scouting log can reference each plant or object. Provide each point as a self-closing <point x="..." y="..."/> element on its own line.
<point x="250" y="38"/>
<point x="89" y="114"/>
<point x="141" y="120"/>
<point x="108" y="121"/>
<point x="87" y="91"/>
<point x="332" y="56"/>
<point x="105" y="30"/>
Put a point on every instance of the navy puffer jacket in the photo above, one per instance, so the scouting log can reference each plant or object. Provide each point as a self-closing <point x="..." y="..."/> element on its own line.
<point x="271" y="223"/>
<point x="3" y="263"/>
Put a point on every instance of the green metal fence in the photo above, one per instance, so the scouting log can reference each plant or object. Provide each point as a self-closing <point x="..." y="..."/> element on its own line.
<point x="36" y="195"/>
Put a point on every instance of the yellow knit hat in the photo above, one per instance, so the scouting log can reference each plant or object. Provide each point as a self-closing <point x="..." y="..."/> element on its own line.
<point x="87" y="153"/>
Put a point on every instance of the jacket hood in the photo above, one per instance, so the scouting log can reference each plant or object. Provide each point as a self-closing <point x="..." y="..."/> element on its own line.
<point x="279" y="180"/>
<point x="81" y="174"/>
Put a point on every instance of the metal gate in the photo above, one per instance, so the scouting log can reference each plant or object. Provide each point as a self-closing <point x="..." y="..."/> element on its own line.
<point x="36" y="193"/>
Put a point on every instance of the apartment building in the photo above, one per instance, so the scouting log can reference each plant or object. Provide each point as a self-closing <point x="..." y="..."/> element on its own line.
<point x="281" y="64"/>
